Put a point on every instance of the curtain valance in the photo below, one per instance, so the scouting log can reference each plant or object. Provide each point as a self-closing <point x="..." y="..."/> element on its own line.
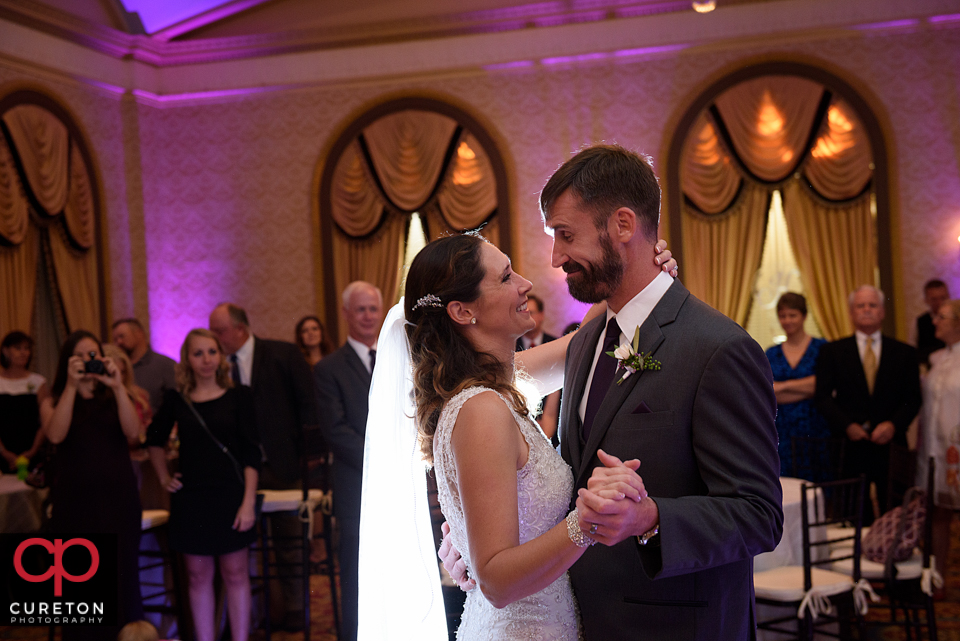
<point x="409" y="161"/>
<point x="42" y="142"/>
<point x="14" y="210"/>
<point x="769" y="120"/>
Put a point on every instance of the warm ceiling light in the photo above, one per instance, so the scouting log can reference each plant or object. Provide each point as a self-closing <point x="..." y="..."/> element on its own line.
<point x="704" y="6"/>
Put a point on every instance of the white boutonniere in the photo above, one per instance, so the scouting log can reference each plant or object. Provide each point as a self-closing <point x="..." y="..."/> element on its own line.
<point x="630" y="360"/>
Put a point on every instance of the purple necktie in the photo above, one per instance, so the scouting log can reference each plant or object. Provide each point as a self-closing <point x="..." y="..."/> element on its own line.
<point x="603" y="375"/>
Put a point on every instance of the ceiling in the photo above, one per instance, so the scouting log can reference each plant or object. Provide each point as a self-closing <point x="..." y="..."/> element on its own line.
<point x="289" y="25"/>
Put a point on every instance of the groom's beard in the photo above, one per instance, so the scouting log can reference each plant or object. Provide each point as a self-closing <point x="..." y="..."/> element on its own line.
<point x="595" y="283"/>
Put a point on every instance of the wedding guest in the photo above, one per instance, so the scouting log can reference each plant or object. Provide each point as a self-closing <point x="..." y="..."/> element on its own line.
<point x="534" y="337"/>
<point x="940" y="428"/>
<point x="935" y="293"/>
<point x="91" y="419"/>
<point x="312" y="339"/>
<point x="342" y="384"/>
<point x="793" y="363"/>
<point x="868" y="389"/>
<point x="213" y="497"/>
<point x="152" y="371"/>
<point x="285" y="406"/>
<point x="21" y="392"/>
<point x="139" y="396"/>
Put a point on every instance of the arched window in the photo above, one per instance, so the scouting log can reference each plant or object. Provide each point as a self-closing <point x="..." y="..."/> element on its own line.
<point x="780" y="168"/>
<point x="50" y="254"/>
<point x="407" y="171"/>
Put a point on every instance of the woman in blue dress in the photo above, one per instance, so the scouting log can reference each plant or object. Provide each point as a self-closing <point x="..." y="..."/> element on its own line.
<point x="793" y="363"/>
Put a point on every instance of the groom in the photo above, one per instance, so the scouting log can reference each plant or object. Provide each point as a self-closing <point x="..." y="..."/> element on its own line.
<point x="678" y="564"/>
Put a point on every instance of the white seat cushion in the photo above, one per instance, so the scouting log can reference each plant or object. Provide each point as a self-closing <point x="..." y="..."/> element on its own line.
<point x="153" y="518"/>
<point x="785" y="584"/>
<point x="287" y="500"/>
<point x="912" y="568"/>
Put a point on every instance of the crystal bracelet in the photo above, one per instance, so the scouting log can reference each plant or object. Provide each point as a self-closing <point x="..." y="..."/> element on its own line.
<point x="576" y="535"/>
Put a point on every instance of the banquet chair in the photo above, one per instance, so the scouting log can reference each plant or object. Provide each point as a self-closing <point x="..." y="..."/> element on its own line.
<point x="302" y="503"/>
<point x="907" y="585"/>
<point x="159" y="596"/>
<point x="816" y="459"/>
<point x="817" y="595"/>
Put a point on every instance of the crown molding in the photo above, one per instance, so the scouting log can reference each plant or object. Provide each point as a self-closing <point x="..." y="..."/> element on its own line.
<point x="159" y="72"/>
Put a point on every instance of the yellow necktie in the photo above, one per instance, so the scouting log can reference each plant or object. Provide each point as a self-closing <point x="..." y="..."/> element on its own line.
<point x="870" y="364"/>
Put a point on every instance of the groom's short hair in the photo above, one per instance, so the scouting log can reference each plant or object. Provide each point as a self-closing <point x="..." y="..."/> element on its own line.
<point x="604" y="178"/>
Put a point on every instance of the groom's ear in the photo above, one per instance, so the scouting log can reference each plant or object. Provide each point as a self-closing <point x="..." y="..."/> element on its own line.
<point x="459" y="313"/>
<point x="623" y="225"/>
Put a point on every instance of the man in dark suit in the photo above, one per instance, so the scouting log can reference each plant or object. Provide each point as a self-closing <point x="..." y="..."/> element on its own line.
<point x="533" y="338"/>
<point x="868" y="389"/>
<point x="680" y="562"/>
<point x="285" y="405"/>
<point x="935" y="294"/>
<point x="342" y="383"/>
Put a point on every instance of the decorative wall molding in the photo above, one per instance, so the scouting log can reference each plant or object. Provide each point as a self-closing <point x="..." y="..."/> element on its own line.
<point x="158" y="67"/>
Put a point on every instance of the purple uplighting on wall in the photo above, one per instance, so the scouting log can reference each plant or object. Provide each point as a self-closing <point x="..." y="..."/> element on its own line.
<point x="203" y="95"/>
<point x="648" y="51"/>
<point x="584" y="57"/>
<point x="519" y="64"/>
<point x="893" y="24"/>
<point x="953" y="17"/>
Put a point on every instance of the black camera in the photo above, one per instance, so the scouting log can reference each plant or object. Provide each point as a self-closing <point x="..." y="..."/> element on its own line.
<point x="94" y="365"/>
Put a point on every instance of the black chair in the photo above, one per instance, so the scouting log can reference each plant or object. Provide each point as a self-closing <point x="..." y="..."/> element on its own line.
<point x="908" y="585"/>
<point x="302" y="504"/>
<point x="159" y="595"/>
<point x="816" y="459"/>
<point x="816" y="594"/>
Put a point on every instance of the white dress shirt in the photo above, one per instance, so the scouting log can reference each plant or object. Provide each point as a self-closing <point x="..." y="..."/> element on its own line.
<point x="632" y="316"/>
<point x="862" y="344"/>
<point x="531" y="342"/>
<point x="245" y="361"/>
<point x="362" y="351"/>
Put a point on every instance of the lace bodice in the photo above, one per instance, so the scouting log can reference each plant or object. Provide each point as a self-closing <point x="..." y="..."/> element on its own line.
<point x="544" y="487"/>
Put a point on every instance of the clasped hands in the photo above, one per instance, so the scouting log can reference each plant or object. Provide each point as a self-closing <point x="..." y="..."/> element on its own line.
<point x="616" y="502"/>
<point x="615" y="499"/>
<point x="882" y="434"/>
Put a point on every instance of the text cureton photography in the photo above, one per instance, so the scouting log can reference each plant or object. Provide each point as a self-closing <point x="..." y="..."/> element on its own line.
<point x="58" y="579"/>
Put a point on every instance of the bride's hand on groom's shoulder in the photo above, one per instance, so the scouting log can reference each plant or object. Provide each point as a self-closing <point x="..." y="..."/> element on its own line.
<point x="664" y="258"/>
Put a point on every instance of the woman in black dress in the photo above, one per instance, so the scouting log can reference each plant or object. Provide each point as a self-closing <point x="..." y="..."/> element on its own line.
<point x="213" y="496"/>
<point x="91" y="419"/>
<point x="21" y="392"/>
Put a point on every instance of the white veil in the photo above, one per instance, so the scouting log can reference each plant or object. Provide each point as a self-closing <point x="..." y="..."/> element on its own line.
<point x="400" y="593"/>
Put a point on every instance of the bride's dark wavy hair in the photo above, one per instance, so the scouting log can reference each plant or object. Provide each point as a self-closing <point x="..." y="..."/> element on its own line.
<point x="444" y="361"/>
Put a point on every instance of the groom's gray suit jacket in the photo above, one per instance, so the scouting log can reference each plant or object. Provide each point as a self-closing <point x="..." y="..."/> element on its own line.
<point x="703" y="429"/>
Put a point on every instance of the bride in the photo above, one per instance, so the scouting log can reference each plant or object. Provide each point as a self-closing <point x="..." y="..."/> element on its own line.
<point x="503" y="489"/>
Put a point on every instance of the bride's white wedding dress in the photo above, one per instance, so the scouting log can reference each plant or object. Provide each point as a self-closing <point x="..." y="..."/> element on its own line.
<point x="544" y="487"/>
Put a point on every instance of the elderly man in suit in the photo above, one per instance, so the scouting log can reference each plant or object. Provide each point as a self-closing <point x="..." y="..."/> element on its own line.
<point x="342" y="382"/>
<point x="868" y="389"/>
<point x="285" y="405"/>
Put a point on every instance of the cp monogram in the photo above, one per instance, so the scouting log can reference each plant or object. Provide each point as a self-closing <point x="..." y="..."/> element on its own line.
<point x="57" y="572"/>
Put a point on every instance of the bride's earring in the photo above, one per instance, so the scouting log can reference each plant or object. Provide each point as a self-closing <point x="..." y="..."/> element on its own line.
<point x="473" y="321"/>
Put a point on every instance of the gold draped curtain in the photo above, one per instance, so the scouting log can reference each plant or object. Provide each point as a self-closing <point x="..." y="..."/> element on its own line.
<point x="408" y="161"/>
<point x="752" y="140"/>
<point x="731" y="244"/>
<point x="59" y="182"/>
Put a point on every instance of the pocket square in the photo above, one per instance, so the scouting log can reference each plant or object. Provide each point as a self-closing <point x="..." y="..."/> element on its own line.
<point x="642" y="408"/>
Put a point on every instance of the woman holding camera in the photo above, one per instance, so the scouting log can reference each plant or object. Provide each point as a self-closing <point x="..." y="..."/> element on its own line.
<point x="212" y="503"/>
<point x="91" y="420"/>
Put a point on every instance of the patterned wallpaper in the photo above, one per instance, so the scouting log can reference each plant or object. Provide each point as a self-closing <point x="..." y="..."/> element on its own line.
<point x="227" y="186"/>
